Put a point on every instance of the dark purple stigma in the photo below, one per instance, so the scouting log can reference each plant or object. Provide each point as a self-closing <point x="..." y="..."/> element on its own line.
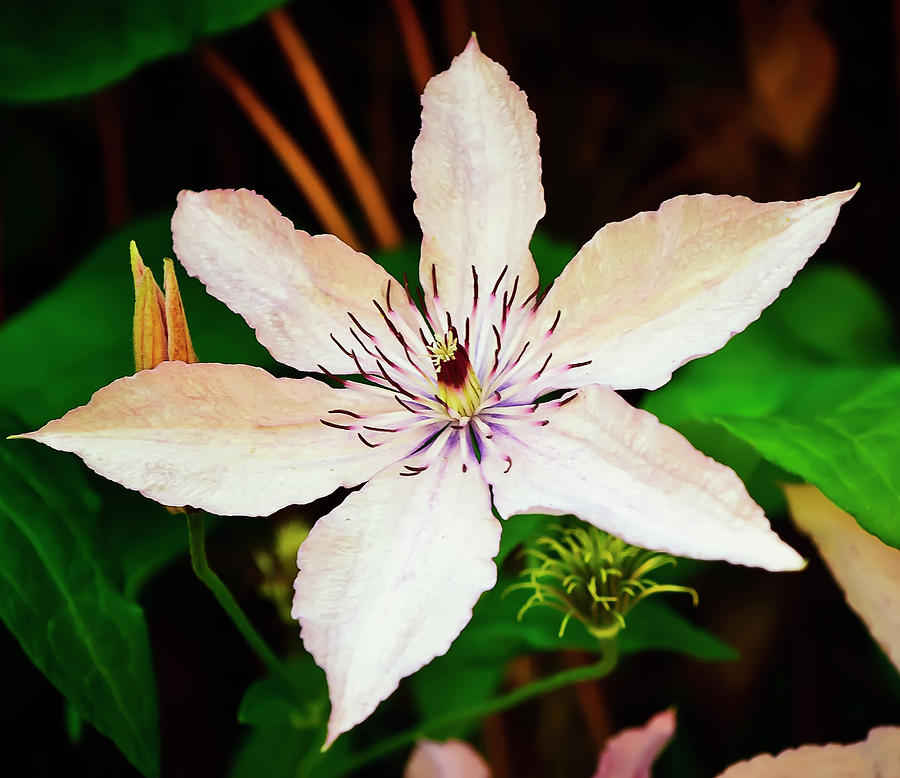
<point x="453" y="372"/>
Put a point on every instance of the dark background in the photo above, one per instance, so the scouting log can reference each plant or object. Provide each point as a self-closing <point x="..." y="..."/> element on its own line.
<point x="635" y="102"/>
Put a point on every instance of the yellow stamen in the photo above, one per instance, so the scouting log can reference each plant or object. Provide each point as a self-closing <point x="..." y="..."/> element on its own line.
<point x="443" y="350"/>
<point x="457" y="384"/>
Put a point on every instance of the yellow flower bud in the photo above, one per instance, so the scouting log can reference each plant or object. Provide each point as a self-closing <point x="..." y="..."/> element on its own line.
<point x="160" y="329"/>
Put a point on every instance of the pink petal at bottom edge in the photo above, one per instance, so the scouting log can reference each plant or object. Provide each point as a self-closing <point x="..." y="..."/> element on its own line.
<point x="451" y="759"/>
<point x="632" y="752"/>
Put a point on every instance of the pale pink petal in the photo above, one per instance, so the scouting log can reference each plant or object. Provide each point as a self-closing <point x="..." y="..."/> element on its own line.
<point x="620" y="469"/>
<point x="877" y="755"/>
<point x="632" y="752"/>
<point x="646" y="295"/>
<point x="294" y="289"/>
<point x="867" y="570"/>
<point x="477" y="176"/>
<point x="388" y="580"/>
<point x="451" y="759"/>
<point x="227" y="438"/>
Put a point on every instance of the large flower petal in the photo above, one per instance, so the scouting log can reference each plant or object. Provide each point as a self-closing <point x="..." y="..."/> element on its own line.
<point x="877" y="755"/>
<point x="388" y="579"/>
<point x="294" y="289"/>
<point x="646" y="295"/>
<point x="632" y="752"/>
<point x="477" y="176"/>
<point x="227" y="438"/>
<point x="867" y="570"/>
<point x="620" y="469"/>
<point x="451" y="759"/>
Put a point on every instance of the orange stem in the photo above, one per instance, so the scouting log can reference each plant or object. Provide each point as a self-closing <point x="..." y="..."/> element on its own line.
<point x="329" y="116"/>
<point x="308" y="181"/>
<point x="420" y="63"/>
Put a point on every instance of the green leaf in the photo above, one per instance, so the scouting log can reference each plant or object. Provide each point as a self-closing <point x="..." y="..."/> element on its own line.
<point x="273" y="751"/>
<point x="287" y="733"/>
<point x="77" y="338"/>
<point x="653" y="626"/>
<point x="51" y="50"/>
<point x="839" y="430"/>
<point x="801" y="392"/>
<point x="268" y="701"/>
<point x="58" y="597"/>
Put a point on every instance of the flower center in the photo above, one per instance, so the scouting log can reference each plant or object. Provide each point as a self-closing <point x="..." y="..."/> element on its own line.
<point x="457" y="384"/>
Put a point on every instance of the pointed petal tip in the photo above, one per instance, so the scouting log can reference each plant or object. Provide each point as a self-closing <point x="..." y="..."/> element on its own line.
<point x="843" y="195"/>
<point x="782" y="558"/>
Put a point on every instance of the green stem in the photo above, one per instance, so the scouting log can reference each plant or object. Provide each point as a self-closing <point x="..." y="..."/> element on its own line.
<point x="197" y="538"/>
<point x="494" y="705"/>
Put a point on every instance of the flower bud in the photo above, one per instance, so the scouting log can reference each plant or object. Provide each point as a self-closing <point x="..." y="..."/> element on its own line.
<point x="160" y="330"/>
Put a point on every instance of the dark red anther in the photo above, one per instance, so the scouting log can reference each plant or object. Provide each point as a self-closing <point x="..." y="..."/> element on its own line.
<point x="555" y="322"/>
<point x="566" y="400"/>
<point x="362" y="329"/>
<point x="336" y="426"/>
<point x="499" y="279"/>
<point x="370" y="445"/>
<point x="531" y="296"/>
<point x="544" y="366"/>
<point x="346" y="413"/>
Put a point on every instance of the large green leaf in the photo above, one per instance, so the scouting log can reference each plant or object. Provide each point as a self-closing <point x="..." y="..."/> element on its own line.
<point x="77" y="338"/>
<point x="839" y="430"/>
<point x="59" y="598"/>
<point x="51" y="49"/>
<point x="808" y="390"/>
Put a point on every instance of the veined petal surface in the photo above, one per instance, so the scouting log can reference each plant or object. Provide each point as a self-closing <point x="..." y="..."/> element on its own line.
<point x="451" y="759"/>
<point x="294" y="289"/>
<point x="648" y="294"/>
<point x="620" y="469"/>
<point x="865" y="568"/>
<point x="230" y="439"/>
<point x="877" y="755"/>
<point x="477" y="176"/>
<point x="632" y="752"/>
<point x="388" y="580"/>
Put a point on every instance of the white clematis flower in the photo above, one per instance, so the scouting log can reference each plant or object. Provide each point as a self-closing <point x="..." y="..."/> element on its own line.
<point x="449" y="423"/>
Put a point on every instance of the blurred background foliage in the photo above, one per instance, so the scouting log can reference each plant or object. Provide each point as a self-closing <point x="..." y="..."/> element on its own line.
<point x="109" y="108"/>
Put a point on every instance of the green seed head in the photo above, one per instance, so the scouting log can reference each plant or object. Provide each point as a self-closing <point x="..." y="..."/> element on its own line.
<point x="589" y="575"/>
